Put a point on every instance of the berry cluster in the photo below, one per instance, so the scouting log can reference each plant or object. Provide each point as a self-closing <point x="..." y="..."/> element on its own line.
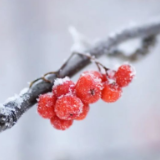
<point x="69" y="101"/>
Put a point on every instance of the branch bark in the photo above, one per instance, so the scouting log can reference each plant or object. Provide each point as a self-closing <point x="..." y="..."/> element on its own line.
<point x="12" y="110"/>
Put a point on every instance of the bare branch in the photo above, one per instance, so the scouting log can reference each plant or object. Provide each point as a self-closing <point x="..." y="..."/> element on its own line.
<point x="144" y="48"/>
<point x="12" y="110"/>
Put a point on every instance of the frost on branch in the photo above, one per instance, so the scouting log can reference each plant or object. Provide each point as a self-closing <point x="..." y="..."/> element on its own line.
<point x="9" y="109"/>
<point x="60" y="81"/>
<point x="17" y="98"/>
<point x="3" y="113"/>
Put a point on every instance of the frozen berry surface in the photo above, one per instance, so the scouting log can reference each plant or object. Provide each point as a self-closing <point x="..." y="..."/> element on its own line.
<point x="46" y="105"/>
<point x="97" y="74"/>
<point x="60" y="124"/>
<point x="111" y="92"/>
<point x="63" y="86"/>
<point x="68" y="107"/>
<point x="124" y="75"/>
<point x="84" y="112"/>
<point x="88" y="87"/>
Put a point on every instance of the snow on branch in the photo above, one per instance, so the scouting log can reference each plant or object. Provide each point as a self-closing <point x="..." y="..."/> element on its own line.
<point x="13" y="108"/>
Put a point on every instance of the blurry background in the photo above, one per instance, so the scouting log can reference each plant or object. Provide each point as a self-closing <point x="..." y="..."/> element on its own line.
<point x="34" y="39"/>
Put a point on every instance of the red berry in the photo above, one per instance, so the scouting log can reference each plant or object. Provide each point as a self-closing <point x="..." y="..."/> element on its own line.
<point x="68" y="107"/>
<point x="104" y="78"/>
<point x="124" y="75"/>
<point x="88" y="88"/>
<point x="63" y="86"/>
<point x="84" y="112"/>
<point x="111" y="92"/>
<point x="46" y="104"/>
<point x="95" y="73"/>
<point x="60" y="124"/>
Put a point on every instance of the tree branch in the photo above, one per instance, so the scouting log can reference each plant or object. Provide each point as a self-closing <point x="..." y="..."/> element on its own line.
<point x="12" y="110"/>
<point x="146" y="44"/>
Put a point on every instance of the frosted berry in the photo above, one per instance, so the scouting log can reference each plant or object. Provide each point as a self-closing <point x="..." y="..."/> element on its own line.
<point x="84" y="112"/>
<point x="88" y="88"/>
<point x="111" y="92"/>
<point x="124" y="75"/>
<point x="60" y="124"/>
<point x="95" y="73"/>
<point x="104" y="78"/>
<point x="63" y="86"/>
<point x="68" y="107"/>
<point x="46" y="104"/>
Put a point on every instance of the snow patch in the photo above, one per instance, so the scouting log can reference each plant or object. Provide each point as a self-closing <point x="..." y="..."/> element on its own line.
<point x="5" y="111"/>
<point x="12" y="98"/>
<point x="133" y="71"/>
<point x="59" y="81"/>
<point x="50" y="93"/>
<point x="111" y="81"/>
<point x="128" y="48"/>
<point x="1" y="107"/>
<point x="17" y="98"/>
<point x="23" y="91"/>
<point x="19" y="101"/>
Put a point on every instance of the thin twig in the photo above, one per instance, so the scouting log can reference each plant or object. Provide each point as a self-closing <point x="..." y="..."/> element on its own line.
<point x="143" y="50"/>
<point x="12" y="110"/>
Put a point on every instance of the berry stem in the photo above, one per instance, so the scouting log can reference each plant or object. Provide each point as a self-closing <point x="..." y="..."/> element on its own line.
<point x="43" y="78"/>
<point x="57" y="73"/>
<point x="92" y="58"/>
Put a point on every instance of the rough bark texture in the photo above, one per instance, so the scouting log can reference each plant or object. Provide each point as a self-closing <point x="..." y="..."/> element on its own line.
<point x="12" y="110"/>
